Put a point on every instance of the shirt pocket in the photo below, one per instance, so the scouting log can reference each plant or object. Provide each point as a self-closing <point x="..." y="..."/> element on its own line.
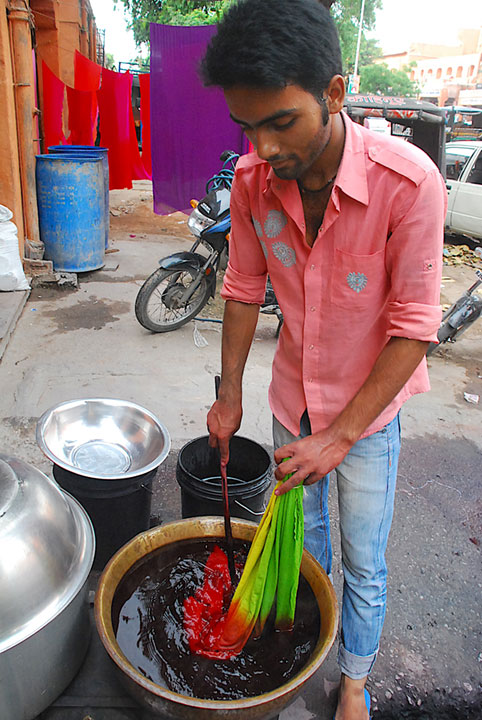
<point x="359" y="282"/>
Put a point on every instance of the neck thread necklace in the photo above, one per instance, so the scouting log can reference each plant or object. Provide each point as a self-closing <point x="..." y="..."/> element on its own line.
<point x="318" y="190"/>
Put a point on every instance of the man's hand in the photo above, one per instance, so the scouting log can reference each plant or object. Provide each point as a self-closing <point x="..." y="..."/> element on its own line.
<point x="224" y="419"/>
<point x="316" y="455"/>
<point x="310" y="458"/>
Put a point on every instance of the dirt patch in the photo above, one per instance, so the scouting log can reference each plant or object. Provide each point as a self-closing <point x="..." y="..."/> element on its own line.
<point x="132" y="212"/>
<point x="90" y="314"/>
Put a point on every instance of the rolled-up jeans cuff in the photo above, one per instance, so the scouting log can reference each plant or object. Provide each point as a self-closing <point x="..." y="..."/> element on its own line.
<point x="355" y="666"/>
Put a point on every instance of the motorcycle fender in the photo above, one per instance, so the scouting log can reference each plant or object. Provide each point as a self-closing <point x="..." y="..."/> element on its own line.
<point x="188" y="259"/>
<point x="182" y="259"/>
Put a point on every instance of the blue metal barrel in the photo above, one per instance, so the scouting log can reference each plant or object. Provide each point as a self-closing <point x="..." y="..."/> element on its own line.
<point x="97" y="151"/>
<point x="70" y="198"/>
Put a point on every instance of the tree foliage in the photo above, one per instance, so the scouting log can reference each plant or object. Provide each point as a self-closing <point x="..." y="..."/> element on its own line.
<point x="346" y="14"/>
<point x="170" y="12"/>
<point x="380" y="80"/>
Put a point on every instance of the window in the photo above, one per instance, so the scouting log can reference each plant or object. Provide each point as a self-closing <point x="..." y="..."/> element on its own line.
<point x="456" y="160"/>
<point x="471" y="71"/>
<point x="459" y="71"/>
<point x="475" y="175"/>
<point x="449" y="72"/>
<point x="439" y="73"/>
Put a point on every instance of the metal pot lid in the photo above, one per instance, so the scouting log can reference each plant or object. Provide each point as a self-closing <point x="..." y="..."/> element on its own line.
<point x="47" y="550"/>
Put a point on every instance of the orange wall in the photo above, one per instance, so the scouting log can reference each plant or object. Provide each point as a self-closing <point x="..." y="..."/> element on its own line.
<point x="10" y="189"/>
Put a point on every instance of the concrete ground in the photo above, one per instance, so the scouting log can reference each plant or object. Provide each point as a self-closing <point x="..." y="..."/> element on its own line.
<point x="87" y="343"/>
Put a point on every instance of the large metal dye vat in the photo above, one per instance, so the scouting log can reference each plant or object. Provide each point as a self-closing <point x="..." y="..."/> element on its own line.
<point x="179" y="707"/>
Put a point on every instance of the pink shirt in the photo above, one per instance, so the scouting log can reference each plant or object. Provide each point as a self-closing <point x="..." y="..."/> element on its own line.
<point x="373" y="272"/>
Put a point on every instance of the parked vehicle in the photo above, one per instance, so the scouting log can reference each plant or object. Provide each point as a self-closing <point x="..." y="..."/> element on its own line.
<point x="182" y="285"/>
<point x="460" y="316"/>
<point x="464" y="186"/>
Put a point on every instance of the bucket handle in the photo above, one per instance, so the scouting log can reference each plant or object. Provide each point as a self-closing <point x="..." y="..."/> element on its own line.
<point x="253" y="512"/>
<point x="148" y="489"/>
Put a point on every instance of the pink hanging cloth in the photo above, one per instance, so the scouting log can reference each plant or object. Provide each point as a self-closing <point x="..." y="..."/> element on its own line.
<point x="115" y="111"/>
<point x="53" y="103"/>
<point x="145" y="83"/>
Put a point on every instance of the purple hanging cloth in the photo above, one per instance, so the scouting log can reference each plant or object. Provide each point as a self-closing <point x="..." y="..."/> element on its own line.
<point x="190" y="124"/>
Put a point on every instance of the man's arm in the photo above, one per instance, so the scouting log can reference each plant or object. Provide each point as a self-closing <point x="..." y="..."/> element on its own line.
<point x="224" y="418"/>
<point x="316" y="455"/>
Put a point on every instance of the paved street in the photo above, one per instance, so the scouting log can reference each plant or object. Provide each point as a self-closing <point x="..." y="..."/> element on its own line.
<point x="87" y="343"/>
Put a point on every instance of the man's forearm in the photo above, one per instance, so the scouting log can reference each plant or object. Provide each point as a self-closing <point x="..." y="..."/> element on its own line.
<point x="393" y="368"/>
<point x="239" y="325"/>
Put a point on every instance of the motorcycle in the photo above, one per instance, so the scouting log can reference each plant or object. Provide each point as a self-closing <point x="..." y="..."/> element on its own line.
<point x="182" y="285"/>
<point x="461" y="315"/>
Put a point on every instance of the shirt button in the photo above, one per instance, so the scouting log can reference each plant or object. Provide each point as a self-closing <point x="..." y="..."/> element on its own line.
<point x="312" y="308"/>
<point x="311" y="347"/>
<point x="310" y="380"/>
<point x="312" y="267"/>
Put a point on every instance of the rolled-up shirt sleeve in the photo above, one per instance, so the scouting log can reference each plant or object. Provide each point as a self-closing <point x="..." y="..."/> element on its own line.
<point x="414" y="261"/>
<point x="245" y="277"/>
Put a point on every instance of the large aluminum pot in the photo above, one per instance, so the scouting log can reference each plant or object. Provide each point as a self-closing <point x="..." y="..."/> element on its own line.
<point x="180" y="707"/>
<point x="46" y="552"/>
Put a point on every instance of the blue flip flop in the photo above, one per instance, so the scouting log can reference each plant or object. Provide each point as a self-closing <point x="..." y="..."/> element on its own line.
<point x="368" y="702"/>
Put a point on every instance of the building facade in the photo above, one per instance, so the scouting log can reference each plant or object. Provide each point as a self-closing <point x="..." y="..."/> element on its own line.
<point x="446" y="75"/>
<point x="32" y="31"/>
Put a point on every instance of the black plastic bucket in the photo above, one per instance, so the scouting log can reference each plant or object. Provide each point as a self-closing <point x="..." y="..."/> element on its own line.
<point x="119" y="509"/>
<point x="198" y="474"/>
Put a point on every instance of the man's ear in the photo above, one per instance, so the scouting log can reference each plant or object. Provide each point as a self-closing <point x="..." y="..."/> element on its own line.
<point x="336" y="94"/>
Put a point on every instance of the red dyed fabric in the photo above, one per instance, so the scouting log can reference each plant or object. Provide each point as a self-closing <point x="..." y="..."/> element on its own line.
<point x="138" y="169"/>
<point x="53" y="103"/>
<point x="83" y="121"/>
<point x="145" y="83"/>
<point x="115" y="110"/>
<point x="87" y="74"/>
<point x="205" y="613"/>
<point x="82" y="116"/>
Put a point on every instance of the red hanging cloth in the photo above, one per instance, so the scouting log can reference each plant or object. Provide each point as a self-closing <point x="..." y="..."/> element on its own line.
<point x="87" y="74"/>
<point x="115" y="110"/>
<point x="82" y="116"/>
<point x="138" y="169"/>
<point x="53" y="103"/>
<point x="145" y="83"/>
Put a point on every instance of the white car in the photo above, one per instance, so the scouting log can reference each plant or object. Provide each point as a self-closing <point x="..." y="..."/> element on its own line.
<point x="464" y="186"/>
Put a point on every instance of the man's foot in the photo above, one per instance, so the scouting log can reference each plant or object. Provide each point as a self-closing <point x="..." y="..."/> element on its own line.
<point x="353" y="700"/>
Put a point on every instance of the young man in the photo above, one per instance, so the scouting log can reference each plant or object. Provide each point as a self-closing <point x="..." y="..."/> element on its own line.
<point x="349" y="226"/>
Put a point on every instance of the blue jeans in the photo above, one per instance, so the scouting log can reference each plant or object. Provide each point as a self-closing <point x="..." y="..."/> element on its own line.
<point x="366" y="490"/>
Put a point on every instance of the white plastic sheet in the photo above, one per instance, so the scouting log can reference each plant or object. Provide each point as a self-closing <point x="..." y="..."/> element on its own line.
<point x="12" y="276"/>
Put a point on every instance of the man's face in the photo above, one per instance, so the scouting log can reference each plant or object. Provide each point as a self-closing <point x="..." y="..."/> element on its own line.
<point x="285" y="126"/>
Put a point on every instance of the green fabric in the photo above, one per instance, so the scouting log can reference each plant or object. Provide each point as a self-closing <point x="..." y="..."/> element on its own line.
<point x="272" y="569"/>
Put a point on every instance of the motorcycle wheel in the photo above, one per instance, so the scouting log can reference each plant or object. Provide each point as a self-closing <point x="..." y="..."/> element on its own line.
<point x="445" y="332"/>
<point x="157" y="306"/>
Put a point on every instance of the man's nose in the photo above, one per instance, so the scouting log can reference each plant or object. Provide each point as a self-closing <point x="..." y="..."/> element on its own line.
<point x="266" y="145"/>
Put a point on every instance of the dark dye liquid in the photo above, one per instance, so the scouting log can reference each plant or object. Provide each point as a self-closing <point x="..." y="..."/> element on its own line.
<point x="147" y="615"/>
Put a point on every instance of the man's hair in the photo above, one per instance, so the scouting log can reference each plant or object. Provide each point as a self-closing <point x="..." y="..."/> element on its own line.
<point x="272" y="44"/>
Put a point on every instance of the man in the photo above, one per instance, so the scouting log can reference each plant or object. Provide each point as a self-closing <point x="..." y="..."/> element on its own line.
<point x="349" y="226"/>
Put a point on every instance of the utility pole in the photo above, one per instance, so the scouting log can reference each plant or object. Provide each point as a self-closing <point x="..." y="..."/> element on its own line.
<point x="360" y="27"/>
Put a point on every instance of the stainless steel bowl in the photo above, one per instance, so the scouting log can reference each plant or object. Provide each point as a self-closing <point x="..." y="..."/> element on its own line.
<point x="47" y="550"/>
<point x="103" y="438"/>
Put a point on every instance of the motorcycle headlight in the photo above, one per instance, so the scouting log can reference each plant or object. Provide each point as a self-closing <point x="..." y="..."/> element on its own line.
<point x="197" y="222"/>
